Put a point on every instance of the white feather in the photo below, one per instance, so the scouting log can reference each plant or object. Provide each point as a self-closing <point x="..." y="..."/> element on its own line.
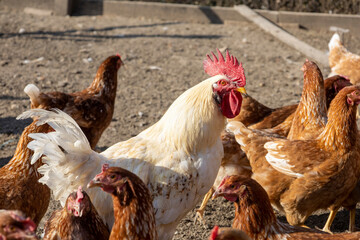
<point x="278" y="161"/>
<point x="334" y="41"/>
<point x="32" y="91"/>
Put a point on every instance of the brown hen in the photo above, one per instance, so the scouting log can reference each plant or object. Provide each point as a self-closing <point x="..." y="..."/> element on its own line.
<point x="77" y="220"/>
<point x="255" y="216"/>
<point x="15" y="225"/>
<point x="92" y="108"/>
<point x="19" y="186"/>
<point x="299" y="184"/>
<point x="133" y="210"/>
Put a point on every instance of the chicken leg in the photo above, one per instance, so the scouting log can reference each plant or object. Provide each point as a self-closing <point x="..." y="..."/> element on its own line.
<point x="352" y="220"/>
<point x="200" y="212"/>
<point x="330" y="220"/>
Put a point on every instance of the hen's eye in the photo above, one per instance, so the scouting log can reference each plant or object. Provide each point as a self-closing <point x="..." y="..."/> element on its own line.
<point x="112" y="176"/>
<point x="232" y="186"/>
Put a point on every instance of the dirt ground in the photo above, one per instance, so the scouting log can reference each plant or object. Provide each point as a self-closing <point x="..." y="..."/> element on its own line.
<point x="162" y="59"/>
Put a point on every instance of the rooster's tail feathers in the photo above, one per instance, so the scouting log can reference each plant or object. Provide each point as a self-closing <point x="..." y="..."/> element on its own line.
<point x="68" y="159"/>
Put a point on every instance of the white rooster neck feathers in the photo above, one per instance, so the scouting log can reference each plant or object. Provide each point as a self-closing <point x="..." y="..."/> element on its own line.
<point x="193" y="122"/>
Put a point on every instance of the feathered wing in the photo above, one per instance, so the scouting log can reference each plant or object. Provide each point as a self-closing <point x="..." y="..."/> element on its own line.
<point x="294" y="158"/>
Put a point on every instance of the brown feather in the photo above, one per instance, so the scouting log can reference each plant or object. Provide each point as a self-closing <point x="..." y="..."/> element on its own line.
<point x="65" y="225"/>
<point x="254" y="214"/>
<point x="19" y="186"/>
<point x="93" y="107"/>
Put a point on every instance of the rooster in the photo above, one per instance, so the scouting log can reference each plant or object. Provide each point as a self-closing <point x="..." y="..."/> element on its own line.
<point x="255" y="216"/>
<point x="178" y="157"/>
<point x="92" y="108"/>
<point x="77" y="220"/>
<point x="133" y="210"/>
<point x="299" y="184"/>
<point x="343" y="62"/>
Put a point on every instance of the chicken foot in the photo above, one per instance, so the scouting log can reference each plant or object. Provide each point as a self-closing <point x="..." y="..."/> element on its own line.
<point x="200" y="212"/>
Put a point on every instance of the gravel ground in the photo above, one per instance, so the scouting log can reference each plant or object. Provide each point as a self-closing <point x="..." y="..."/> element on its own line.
<point x="162" y="59"/>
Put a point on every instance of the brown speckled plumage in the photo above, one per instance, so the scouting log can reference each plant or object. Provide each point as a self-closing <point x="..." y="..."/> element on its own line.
<point x="133" y="209"/>
<point x="67" y="226"/>
<point x="327" y="163"/>
<point x="19" y="186"/>
<point x="93" y="107"/>
<point x="255" y="216"/>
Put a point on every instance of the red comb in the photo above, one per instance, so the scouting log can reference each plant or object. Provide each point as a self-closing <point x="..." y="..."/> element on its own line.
<point x="229" y="67"/>
<point x="118" y="55"/>
<point x="104" y="167"/>
<point x="214" y="233"/>
<point x="27" y="222"/>
<point x="223" y="181"/>
<point x="79" y="194"/>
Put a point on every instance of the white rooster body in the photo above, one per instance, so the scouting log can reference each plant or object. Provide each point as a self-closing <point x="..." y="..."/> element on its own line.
<point x="178" y="157"/>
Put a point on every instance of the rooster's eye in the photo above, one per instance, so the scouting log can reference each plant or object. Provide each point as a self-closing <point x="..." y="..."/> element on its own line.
<point x="223" y="83"/>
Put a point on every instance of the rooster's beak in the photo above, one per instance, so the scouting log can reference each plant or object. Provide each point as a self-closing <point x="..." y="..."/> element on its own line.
<point x="242" y="90"/>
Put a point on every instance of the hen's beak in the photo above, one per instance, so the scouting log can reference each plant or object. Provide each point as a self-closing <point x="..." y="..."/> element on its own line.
<point x="94" y="183"/>
<point x="79" y="209"/>
<point x="242" y="90"/>
<point x="216" y="194"/>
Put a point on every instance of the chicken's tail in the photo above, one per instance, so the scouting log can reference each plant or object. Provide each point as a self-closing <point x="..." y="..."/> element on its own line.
<point x="334" y="41"/>
<point x="69" y="161"/>
<point x="240" y="131"/>
<point x="33" y="92"/>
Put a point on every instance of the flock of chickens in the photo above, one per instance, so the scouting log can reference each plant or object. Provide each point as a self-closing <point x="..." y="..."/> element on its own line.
<point x="298" y="159"/>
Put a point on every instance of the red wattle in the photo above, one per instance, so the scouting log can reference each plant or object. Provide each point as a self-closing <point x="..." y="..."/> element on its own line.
<point x="231" y="104"/>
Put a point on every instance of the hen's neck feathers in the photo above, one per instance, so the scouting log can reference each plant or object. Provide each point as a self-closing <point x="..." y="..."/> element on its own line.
<point x="134" y="215"/>
<point x="311" y="110"/>
<point x="256" y="217"/>
<point x="341" y="130"/>
<point x="105" y="82"/>
<point x="21" y="161"/>
<point x="193" y="122"/>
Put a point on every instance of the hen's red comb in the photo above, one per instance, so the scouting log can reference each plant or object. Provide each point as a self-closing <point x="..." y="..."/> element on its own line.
<point x="214" y="233"/>
<point x="79" y="194"/>
<point x="223" y="181"/>
<point x="27" y="222"/>
<point x="118" y="55"/>
<point x="104" y="167"/>
<point x="229" y="67"/>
